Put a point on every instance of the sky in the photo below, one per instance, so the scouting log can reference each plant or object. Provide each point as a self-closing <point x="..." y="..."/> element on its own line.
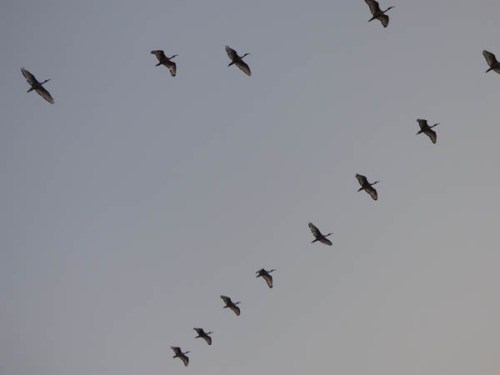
<point x="137" y="199"/>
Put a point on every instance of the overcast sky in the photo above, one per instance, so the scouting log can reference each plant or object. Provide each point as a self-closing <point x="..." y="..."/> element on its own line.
<point x="137" y="199"/>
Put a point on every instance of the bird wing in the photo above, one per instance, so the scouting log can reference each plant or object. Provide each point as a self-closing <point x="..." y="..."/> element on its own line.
<point x="373" y="193"/>
<point x="326" y="241"/>
<point x="185" y="359"/>
<point x="432" y="135"/>
<point x="231" y="53"/>
<point x="29" y="77"/>
<point x="384" y="19"/>
<point x="176" y="350"/>
<point x="244" y="67"/>
<point x="226" y="300"/>
<point x="173" y="68"/>
<point x="159" y="54"/>
<point x="361" y="179"/>
<point x="42" y="91"/>
<point x="235" y="309"/>
<point x="374" y="7"/>
<point x="208" y="339"/>
<point x="199" y="331"/>
<point x="422" y="123"/>
<point x="269" y="280"/>
<point x="490" y="58"/>
<point x="315" y="231"/>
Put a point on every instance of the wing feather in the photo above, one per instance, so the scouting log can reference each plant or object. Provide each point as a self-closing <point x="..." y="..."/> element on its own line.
<point x="231" y="53"/>
<point x="269" y="280"/>
<point x="244" y="67"/>
<point x="361" y="179"/>
<point x="490" y="58"/>
<point x="374" y="7"/>
<point x="42" y="91"/>
<point x="372" y="192"/>
<point x="315" y="231"/>
<point x="384" y="19"/>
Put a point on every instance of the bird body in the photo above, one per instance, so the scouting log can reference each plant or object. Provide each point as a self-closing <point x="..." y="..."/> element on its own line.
<point x="427" y="130"/>
<point x="179" y="354"/>
<point x="238" y="60"/>
<point x="164" y="60"/>
<point x="319" y="236"/>
<point x="37" y="86"/>
<point x="204" y="335"/>
<point x="266" y="276"/>
<point x="377" y="13"/>
<point x="232" y="305"/>
<point x="492" y="61"/>
<point x="366" y="186"/>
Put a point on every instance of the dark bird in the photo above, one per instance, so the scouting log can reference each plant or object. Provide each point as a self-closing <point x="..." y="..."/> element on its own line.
<point x="238" y="60"/>
<point x="492" y="61"/>
<point x="204" y="335"/>
<point x="319" y="236"/>
<point x="231" y="305"/>
<point x="427" y="130"/>
<point x="366" y="186"/>
<point x="37" y="86"/>
<point x="164" y="60"/>
<point x="180" y="354"/>
<point x="266" y="276"/>
<point x="377" y="13"/>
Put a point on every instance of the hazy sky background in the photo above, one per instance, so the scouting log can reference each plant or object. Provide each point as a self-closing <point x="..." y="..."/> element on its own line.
<point x="134" y="201"/>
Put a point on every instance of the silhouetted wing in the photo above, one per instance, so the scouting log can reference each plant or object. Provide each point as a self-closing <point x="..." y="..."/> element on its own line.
<point x="315" y="231"/>
<point x="490" y="58"/>
<point x="159" y="54"/>
<point x="269" y="280"/>
<point x="235" y="309"/>
<point x="361" y="179"/>
<point x="432" y="135"/>
<point x="44" y="94"/>
<point x="374" y="7"/>
<point x="173" y="68"/>
<point x="199" y="331"/>
<point x="373" y="193"/>
<point x="29" y="77"/>
<point x="231" y="53"/>
<point x="226" y="300"/>
<point x="244" y="67"/>
<point x="208" y="339"/>
<point x="422" y="123"/>
<point x="326" y="241"/>
<point x="185" y="359"/>
<point x="384" y="19"/>
<point x="176" y="349"/>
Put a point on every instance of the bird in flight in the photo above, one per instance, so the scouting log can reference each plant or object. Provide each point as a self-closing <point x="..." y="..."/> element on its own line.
<point x="179" y="354"/>
<point x="427" y="130"/>
<point x="319" y="236"/>
<point x="203" y="335"/>
<point x="232" y="305"/>
<point x="164" y="60"/>
<point x="366" y="186"/>
<point x="37" y="86"/>
<point x="238" y="60"/>
<point x="266" y="276"/>
<point x="377" y="13"/>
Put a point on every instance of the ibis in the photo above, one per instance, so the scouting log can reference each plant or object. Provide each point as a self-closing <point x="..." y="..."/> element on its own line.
<point x="238" y="60"/>
<point x="427" y="130"/>
<point x="203" y="335"/>
<point x="319" y="236"/>
<point x="37" y="86"/>
<point x="366" y="186"/>
<point x="179" y="354"/>
<point x="266" y="276"/>
<point x="232" y="305"/>
<point x="377" y="13"/>
<point x="164" y="60"/>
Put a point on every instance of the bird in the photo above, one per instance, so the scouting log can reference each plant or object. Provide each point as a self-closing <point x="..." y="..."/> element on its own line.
<point x="319" y="236"/>
<point x="366" y="186"/>
<point x="37" y="86"/>
<point x="266" y="276"/>
<point x="377" y="13"/>
<point x="492" y="61"/>
<point x="204" y="335"/>
<point x="164" y="60"/>
<point x="231" y="305"/>
<point x="427" y="130"/>
<point x="179" y="354"/>
<point x="238" y="60"/>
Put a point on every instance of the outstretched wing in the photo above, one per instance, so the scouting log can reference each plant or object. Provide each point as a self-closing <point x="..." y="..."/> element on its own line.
<point x="235" y="309"/>
<point x="226" y="300"/>
<point x="372" y="192"/>
<point x="384" y="19"/>
<point x="315" y="231"/>
<point x="29" y="77"/>
<point x="422" y="123"/>
<point x="432" y="135"/>
<point x="208" y="339"/>
<point x="159" y="54"/>
<point x="244" y="67"/>
<point x="490" y="58"/>
<point x="269" y="280"/>
<point x="185" y="359"/>
<point x="374" y="7"/>
<point x="173" y="68"/>
<point x="176" y="349"/>
<point x="361" y="179"/>
<point x="231" y="53"/>
<point x="44" y="94"/>
<point x="325" y="241"/>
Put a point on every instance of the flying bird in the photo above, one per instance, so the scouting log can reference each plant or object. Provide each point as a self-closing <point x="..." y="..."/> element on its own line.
<point x="266" y="276"/>
<point x="319" y="236"/>
<point x="366" y="186"/>
<point x="180" y="354"/>
<point x="377" y="13"/>
<point x="164" y="60"/>
<point x="37" y="86"/>
<point x="231" y="305"/>
<point x="238" y="60"/>
<point x="427" y="130"/>
<point x="203" y="335"/>
<point x="492" y="61"/>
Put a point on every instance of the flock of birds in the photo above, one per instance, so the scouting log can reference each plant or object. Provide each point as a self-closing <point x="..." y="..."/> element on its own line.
<point x="237" y="60"/>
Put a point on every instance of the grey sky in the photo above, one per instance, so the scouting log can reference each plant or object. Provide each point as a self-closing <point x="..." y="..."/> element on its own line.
<point x="134" y="201"/>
